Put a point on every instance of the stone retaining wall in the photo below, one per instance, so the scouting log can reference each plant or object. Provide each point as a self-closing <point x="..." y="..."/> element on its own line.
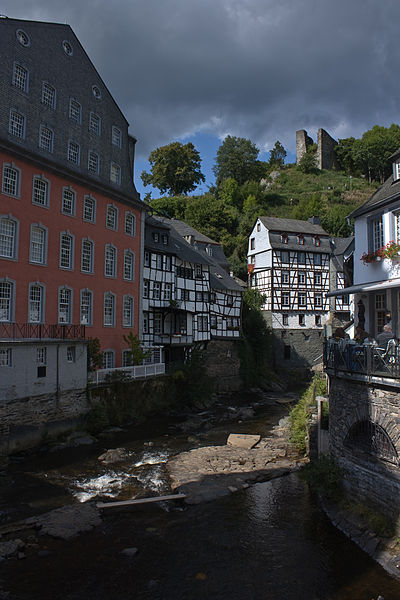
<point x="366" y="477"/>
<point x="223" y="365"/>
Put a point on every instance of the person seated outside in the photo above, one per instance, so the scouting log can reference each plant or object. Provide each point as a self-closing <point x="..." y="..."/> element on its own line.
<point x="360" y="335"/>
<point x="385" y="335"/>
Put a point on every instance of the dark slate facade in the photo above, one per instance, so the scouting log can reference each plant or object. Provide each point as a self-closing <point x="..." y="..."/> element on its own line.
<point x="80" y="111"/>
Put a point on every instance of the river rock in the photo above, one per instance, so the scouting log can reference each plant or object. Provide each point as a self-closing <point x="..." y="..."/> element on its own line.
<point x="113" y="456"/>
<point x="242" y="440"/>
<point x="10" y="548"/>
<point x="67" y="522"/>
<point x="129" y="552"/>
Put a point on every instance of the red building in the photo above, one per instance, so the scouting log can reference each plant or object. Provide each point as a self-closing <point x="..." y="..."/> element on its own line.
<point x="70" y="217"/>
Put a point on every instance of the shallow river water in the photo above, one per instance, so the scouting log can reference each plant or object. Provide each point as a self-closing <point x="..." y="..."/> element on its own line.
<point x="270" y="541"/>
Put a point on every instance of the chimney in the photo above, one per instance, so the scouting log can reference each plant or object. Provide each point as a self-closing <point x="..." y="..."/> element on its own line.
<point x="314" y="220"/>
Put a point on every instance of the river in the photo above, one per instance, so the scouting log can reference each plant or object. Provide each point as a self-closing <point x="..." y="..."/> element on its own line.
<point x="270" y="541"/>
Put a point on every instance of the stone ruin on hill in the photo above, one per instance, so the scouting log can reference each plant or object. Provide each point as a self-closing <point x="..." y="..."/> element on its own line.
<point x="326" y="158"/>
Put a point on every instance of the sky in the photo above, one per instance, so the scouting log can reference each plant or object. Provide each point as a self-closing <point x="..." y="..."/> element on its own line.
<point x="198" y="70"/>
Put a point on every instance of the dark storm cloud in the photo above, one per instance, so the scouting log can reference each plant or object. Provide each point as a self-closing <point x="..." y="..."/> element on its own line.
<point x="254" y="68"/>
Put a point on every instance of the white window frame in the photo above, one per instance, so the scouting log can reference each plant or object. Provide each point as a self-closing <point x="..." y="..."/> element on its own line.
<point x="7" y="300"/>
<point x="49" y="95"/>
<point x="37" y="246"/>
<point x="5" y="357"/>
<point x="66" y="261"/>
<point x="71" y="354"/>
<point x="36" y="305"/>
<point x="8" y="237"/>
<point x="116" y="136"/>
<point x="109" y="309"/>
<point x="112" y="217"/>
<point x="301" y="276"/>
<point x="108" y="359"/>
<point x="11" y="180"/>
<point x="285" y="298"/>
<point x="129" y="265"/>
<point x="89" y="209"/>
<point x="41" y="191"/>
<point x="65" y="305"/>
<point x="93" y="162"/>
<point x="302" y="299"/>
<point x="156" y="290"/>
<point x="86" y="307"/>
<point x="94" y="123"/>
<point x="20" y="78"/>
<point x="75" y="111"/>
<point x="87" y="256"/>
<point x="68" y="201"/>
<point x="127" y="311"/>
<point x="73" y="152"/>
<point x="130" y="224"/>
<point x="115" y="173"/>
<point x="46" y="138"/>
<point x="17" y="124"/>
<point x="318" y="300"/>
<point x="110" y="261"/>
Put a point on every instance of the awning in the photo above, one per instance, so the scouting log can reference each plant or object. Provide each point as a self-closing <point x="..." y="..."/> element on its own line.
<point x="367" y="287"/>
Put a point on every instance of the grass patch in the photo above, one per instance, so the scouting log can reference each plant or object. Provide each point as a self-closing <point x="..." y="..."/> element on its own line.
<point x="376" y="521"/>
<point x="324" y="477"/>
<point x="300" y="414"/>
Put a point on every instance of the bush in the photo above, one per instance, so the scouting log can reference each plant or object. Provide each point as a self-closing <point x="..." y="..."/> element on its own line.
<point x="324" y="477"/>
<point x="300" y="414"/>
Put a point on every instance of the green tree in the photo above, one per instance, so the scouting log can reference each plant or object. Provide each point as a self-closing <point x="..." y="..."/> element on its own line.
<point x="237" y="159"/>
<point x="371" y="153"/>
<point x="308" y="162"/>
<point x="344" y="155"/>
<point x="175" y="168"/>
<point x="172" y="207"/>
<point x="277" y="155"/>
<point x="210" y="216"/>
<point x="94" y="354"/>
<point x="136" y="353"/>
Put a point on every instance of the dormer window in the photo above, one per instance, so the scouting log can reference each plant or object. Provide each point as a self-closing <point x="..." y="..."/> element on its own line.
<point x="396" y="170"/>
<point x="300" y="240"/>
<point x="317" y="241"/>
<point x="284" y="238"/>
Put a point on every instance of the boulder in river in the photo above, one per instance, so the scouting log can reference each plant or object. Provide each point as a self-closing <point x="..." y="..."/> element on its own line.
<point x="113" y="455"/>
<point x="243" y="440"/>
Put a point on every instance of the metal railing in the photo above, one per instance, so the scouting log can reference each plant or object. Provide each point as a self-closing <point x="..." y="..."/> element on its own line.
<point x="11" y="331"/>
<point x="364" y="359"/>
<point x="136" y="372"/>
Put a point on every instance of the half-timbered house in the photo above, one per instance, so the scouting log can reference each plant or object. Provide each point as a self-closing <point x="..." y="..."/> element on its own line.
<point x="289" y="263"/>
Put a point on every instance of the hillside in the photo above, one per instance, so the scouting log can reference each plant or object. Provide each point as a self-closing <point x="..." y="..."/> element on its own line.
<point x="227" y="213"/>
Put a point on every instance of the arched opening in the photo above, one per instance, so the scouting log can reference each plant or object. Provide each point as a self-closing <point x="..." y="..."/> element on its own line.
<point x="370" y="438"/>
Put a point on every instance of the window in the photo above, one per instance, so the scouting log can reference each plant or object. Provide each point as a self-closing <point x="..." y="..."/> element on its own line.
<point x="286" y="352"/>
<point x="16" y="125"/>
<point x="10" y="181"/>
<point x="301" y="277"/>
<point x="40" y="194"/>
<point x="20" y="77"/>
<point x="252" y="243"/>
<point x="317" y="279"/>
<point x="115" y="173"/>
<point x="146" y="288"/>
<point x="156" y="236"/>
<point x="71" y="354"/>
<point x="317" y="241"/>
<point x="75" y="111"/>
<point x="94" y="123"/>
<point x="127" y="311"/>
<point x="36" y="303"/>
<point x="64" y="305"/>
<point x="126" y="358"/>
<point x="164" y="238"/>
<point x="301" y="258"/>
<point x="86" y="316"/>
<point x="159" y="261"/>
<point x="8" y="237"/>
<point x="46" y="138"/>
<point x="93" y="162"/>
<point x="38" y="245"/>
<point x="258" y="226"/>
<point x="130" y="223"/>
<point x="302" y="320"/>
<point x="318" y="320"/>
<point x="202" y="323"/>
<point x="167" y="291"/>
<point x="376" y="229"/>
<point x="87" y="256"/>
<point x="285" y="320"/>
<point x="396" y="170"/>
<point x="112" y="217"/>
<point x="157" y="324"/>
<point x="89" y="209"/>
<point x="110" y="261"/>
<point x="285" y="298"/>
<point x="285" y="278"/>
<point x="109" y="310"/>
<point x="5" y="357"/>
<point x="284" y="238"/>
<point x="66" y="251"/>
<point x="167" y="263"/>
<point x="147" y="259"/>
<point x="41" y="356"/>
<point x="302" y="298"/>
<point x="23" y="38"/>
<point x="48" y="95"/>
<point x="285" y="256"/>
<point x="6" y="300"/>
<point x="73" y="153"/>
<point x="108" y="359"/>
<point x="185" y="294"/>
<point x="129" y="265"/>
<point x="300" y="240"/>
<point x="68" y="202"/>
<point x="229" y="300"/>
<point x="317" y="259"/>
<point x="116" y="137"/>
<point x="96" y="92"/>
<point x="318" y="300"/>
<point x="145" y="322"/>
<point x="156" y="290"/>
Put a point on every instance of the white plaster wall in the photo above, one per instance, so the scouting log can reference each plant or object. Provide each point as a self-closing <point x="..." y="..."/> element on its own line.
<point x="293" y="321"/>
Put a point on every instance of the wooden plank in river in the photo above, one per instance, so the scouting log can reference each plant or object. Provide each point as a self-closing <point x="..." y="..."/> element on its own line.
<point x="140" y="501"/>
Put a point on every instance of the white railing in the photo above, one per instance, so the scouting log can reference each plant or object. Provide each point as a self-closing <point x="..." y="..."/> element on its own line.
<point x="136" y="372"/>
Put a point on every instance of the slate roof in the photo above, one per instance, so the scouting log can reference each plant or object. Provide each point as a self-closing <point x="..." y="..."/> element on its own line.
<point x="185" y="230"/>
<point x="388" y="192"/>
<point x="292" y="226"/>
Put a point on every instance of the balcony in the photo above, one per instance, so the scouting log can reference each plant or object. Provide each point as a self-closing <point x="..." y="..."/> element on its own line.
<point x="41" y="331"/>
<point x="151" y="367"/>
<point x="364" y="362"/>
